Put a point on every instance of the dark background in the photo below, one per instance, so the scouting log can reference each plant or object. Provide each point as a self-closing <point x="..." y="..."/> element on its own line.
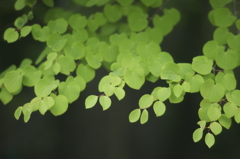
<point x="81" y="133"/>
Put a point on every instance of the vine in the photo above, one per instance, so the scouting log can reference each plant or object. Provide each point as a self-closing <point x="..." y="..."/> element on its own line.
<point x="124" y="38"/>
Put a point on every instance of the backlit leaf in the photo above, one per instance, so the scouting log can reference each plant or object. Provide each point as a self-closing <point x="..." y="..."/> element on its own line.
<point x="13" y="80"/>
<point x="91" y="101"/>
<point x="144" y="116"/>
<point x="145" y="101"/>
<point x="105" y="102"/>
<point x="60" y="106"/>
<point x="134" y="115"/>
<point x="202" y="65"/>
<point x="197" y="134"/>
<point x="159" y="108"/>
<point x="209" y="140"/>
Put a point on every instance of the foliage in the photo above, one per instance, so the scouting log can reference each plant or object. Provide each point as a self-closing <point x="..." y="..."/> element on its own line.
<point x="125" y="38"/>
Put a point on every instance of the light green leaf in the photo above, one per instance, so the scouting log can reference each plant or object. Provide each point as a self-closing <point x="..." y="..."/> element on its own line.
<point x="94" y="60"/>
<point x="185" y="68"/>
<point x="216" y="128"/>
<point x="209" y="140"/>
<point x="113" y="12"/>
<point x="77" y="21"/>
<point x="227" y="80"/>
<point x="26" y="112"/>
<point x="25" y="31"/>
<point x="237" y="116"/>
<point x="230" y="109"/>
<point x="144" y="116"/>
<point x="211" y="49"/>
<point x="134" y="78"/>
<point x="214" y="92"/>
<point x="137" y="21"/>
<point x="213" y="113"/>
<point x="134" y="115"/>
<point x="173" y="14"/>
<point x="45" y="86"/>
<point x="91" y="101"/>
<point x="145" y="101"/>
<point x="30" y="76"/>
<point x="105" y="102"/>
<point x="67" y="64"/>
<point x="177" y="90"/>
<point x="237" y="23"/>
<point x="71" y="90"/>
<point x="60" y="106"/>
<point x="5" y="96"/>
<point x="197" y="134"/>
<point x="39" y="33"/>
<point x="45" y="104"/>
<point x="186" y="86"/>
<point x="225" y="121"/>
<point x="195" y="82"/>
<point x="171" y="71"/>
<point x="56" y="42"/>
<point x="219" y="3"/>
<point x="163" y="93"/>
<point x="227" y="60"/>
<point x="58" y="26"/>
<point x="202" y="65"/>
<point x="157" y="62"/>
<point x="76" y="50"/>
<point x="13" y="81"/>
<point x="223" y="17"/>
<point x="80" y="81"/>
<point x="164" y="23"/>
<point x="233" y="41"/>
<point x="86" y="72"/>
<point x="234" y="97"/>
<point x="19" y="4"/>
<point x="159" y="108"/>
<point x="119" y="92"/>
<point x="10" y="35"/>
<point x="18" y="112"/>
<point x="202" y="124"/>
<point x="220" y="35"/>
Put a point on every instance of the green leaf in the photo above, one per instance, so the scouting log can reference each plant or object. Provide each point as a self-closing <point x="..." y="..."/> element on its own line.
<point x="195" y="82"/>
<point x="145" y="101"/>
<point x="134" y="78"/>
<point x="26" y="112"/>
<point x="67" y="64"/>
<point x="223" y="17"/>
<point x="227" y="60"/>
<point x="39" y="33"/>
<point x="234" y="97"/>
<point x="86" y="72"/>
<point x="209" y="140"/>
<point x="219" y="3"/>
<point x="197" y="134"/>
<point x="60" y="106"/>
<point x="164" y="23"/>
<point x="94" y="60"/>
<point x="216" y="128"/>
<point x="157" y="62"/>
<point x="113" y="12"/>
<point x="80" y="81"/>
<point x="220" y="35"/>
<point x="45" y="86"/>
<point x="18" y="112"/>
<point x="75" y="50"/>
<point x="49" y="3"/>
<point x="211" y="49"/>
<point x="137" y="21"/>
<point x="58" y="26"/>
<point x="213" y="113"/>
<point x="171" y="71"/>
<point x="230" y="109"/>
<point x="13" y="81"/>
<point x="202" y="124"/>
<point x="227" y="80"/>
<point x="159" y="108"/>
<point x="20" y="21"/>
<point x="214" y="92"/>
<point x="19" y="4"/>
<point x="10" y="35"/>
<point x="233" y="41"/>
<point x="225" y="121"/>
<point x="119" y="92"/>
<point x="105" y="102"/>
<point x="77" y="21"/>
<point x="91" y="101"/>
<point x="125" y="2"/>
<point x="163" y="93"/>
<point x="45" y="104"/>
<point x="237" y="23"/>
<point x="56" y="42"/>
<point x="173" y="14"/>
<point x="134" y="115"/>
<point x="185" y="68"/>
<point x="71" y="90"/>
<point x="186" y="86"/>
<point x="177" y="90"/>
<point x="144" y="116"/>
<point x="202" y="65"/>
<point x="237" y="116"/>
<point x="25" y="31"/>
<point x="5" y="96"/>
<point x="30" y="76"/>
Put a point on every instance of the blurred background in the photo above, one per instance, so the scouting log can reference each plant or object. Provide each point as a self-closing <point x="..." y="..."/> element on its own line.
<point x="89" y="134"/>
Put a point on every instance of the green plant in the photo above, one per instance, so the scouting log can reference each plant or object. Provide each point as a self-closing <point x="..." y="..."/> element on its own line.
<point x="125" y="38"/>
